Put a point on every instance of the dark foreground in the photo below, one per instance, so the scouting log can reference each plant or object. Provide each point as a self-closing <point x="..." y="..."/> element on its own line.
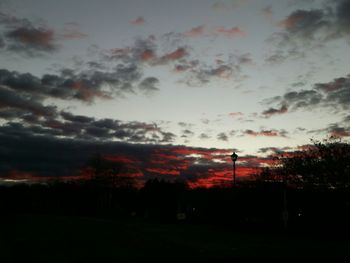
<point x="77" y="239"/>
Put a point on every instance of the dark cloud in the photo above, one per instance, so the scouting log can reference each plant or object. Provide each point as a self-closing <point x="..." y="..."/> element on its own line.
<point x="85" y="86"/>
<point x="149" y="51"/>
<point x="334" y="95"/>
<point x="45" y="155"/>
<point x="305" y="23"/>
<point x="335" y="130"/>
<point x="222" y="137"/>
<point x="342" y="17"/>
<point x="306" y="30"/>
<point x="272" y="111"/>
<point x="149" y="85"/>
<point x="20" y="103"/>
<point x="185" y="124"/>
<point x="266" y="133"/>
<point x="23" y="36"/>
<point x="337" y="92"/>
<point x="204" y="136"/>
<point x="273" y="150"/>
<point x="187" y="133"/>
<point x="30" y="40"/>
<point x="346" y="119"/>
<point x="314" y="27"/>
<point x="76" y="118"/>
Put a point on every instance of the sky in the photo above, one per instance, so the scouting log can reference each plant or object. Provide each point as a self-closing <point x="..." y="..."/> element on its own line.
<point x="168" y="88"/>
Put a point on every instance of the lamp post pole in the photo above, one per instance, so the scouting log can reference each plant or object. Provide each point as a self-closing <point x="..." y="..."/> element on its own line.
<point x="234" y="157"/>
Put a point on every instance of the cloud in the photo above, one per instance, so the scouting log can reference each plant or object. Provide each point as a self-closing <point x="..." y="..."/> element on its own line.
<point x="337" y="93"/>
<point x="30" y="39"/>
<point x="187" y="133"/>
<point x="144" y="50"/>
<point x="26" y="154"/>
<point x="9" y="99"/>
<point x="315" y="27"/>
<point x="266" y="133"/>
<point x="149" y="85"/>
<point x="175" y="55"/>
<point x="334" y="95"/>
<point x="222" y="137"/>
<point x="230" y="32"/>
<point x="337" y="130"/>
<point x="138" y="21"/>
<point x="204" y="136"/>
<point x="196" y="31"/>
<point x="72" y="33"/>
<point x="21" y="35"/>
<point x="304" y="22"/>
<point x="272" y="111"/>
<point x="274" y="150"/>
<point x="235" y="114"/>
<point x="84" y="86"/>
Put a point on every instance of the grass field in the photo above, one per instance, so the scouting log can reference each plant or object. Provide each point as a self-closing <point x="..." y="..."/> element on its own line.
<point x="77" y="239"/>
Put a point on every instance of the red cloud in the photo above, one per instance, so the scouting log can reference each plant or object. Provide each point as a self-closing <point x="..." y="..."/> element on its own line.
<point x="230" y="32"/>
<point x="138" y="21"/>
<point x="175" y="55"/>
<point x="147" y="55"/>
<point x="123" y="159"/>
<point x="199" y="167"/>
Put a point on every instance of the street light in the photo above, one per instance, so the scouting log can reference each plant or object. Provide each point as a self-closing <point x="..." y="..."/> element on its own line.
<point x="234" y="157"/>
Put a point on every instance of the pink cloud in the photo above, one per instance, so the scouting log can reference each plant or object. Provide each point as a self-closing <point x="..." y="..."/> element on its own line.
<point x="235" y="114"/>
<point x="266" y="133"/>
<point x="231" y="32"/>
<point x="138" y="21"/>
<point x="196" y="31"/>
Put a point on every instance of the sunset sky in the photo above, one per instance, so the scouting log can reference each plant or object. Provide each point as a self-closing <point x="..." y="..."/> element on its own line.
<point x="168" y="88"/>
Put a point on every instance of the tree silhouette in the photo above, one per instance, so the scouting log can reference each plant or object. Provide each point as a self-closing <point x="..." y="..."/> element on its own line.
<point x="107" y="174"/>
<point x="322" y="164"/>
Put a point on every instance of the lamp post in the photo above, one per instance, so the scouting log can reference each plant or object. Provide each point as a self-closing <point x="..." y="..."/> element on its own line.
<point x="234" y="157"/>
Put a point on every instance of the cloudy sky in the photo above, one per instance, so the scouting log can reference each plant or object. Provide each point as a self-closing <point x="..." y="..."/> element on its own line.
<point x="168" y="88"/>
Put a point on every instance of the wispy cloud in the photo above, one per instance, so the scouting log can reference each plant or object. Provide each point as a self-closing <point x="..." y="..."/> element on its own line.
<point x="138" y="21"/>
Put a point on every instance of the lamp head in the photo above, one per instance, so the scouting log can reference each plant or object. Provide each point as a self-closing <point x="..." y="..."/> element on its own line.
<point x="234" y="157"/>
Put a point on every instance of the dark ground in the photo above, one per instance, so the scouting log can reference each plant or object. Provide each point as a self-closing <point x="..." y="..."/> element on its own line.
<point x="51" y="238"/>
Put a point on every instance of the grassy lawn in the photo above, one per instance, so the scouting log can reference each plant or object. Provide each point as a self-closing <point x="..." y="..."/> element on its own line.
<point x="76" y="239"/>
